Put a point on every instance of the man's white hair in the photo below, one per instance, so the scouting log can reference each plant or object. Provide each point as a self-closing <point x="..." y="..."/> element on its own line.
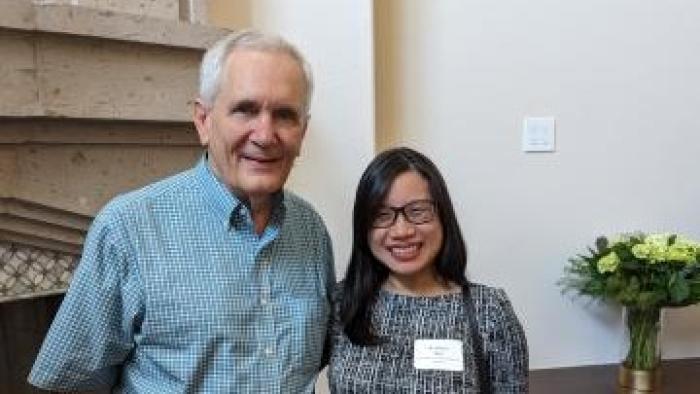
<point x="214" y="62"/>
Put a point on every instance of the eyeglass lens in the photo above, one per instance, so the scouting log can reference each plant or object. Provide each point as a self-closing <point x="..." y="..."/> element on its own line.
<point x="415" y="212"/>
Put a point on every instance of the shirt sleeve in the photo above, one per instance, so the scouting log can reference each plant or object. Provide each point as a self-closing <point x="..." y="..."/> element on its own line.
<point x="329" y="266"/>
<point x="507" y="348"/>
<point x="329" y="281"/>
<point x="93" y="331"/>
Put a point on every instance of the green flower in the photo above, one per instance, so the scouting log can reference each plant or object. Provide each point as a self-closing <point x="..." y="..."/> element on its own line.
<point x="638" y="270"/>
<point x="683" y="251"/>
<point x="608" y="263"/>
<point x="655" y="249"/>
<point x="642" y="251"/>
<point x="657" y="239"/>
<point x="687" y="241"/>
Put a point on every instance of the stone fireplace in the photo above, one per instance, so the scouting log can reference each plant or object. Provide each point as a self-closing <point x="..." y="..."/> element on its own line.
<point x="95" y="99"/>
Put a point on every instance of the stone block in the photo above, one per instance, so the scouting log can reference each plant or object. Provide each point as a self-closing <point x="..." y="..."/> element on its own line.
<point x="18" y="83"/>
<point x="94" y="78"/>
<point x="165" y="9"/>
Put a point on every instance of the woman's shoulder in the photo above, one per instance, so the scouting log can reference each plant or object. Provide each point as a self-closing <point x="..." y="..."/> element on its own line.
<point x="489" y="297"/>
<point x="486" y="291"/>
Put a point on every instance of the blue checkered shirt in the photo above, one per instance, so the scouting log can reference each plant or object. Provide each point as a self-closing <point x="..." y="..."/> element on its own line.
<point x="176" y="293"/>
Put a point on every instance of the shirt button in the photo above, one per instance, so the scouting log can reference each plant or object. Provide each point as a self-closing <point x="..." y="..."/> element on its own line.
<point x="269" y="351"/>
<point x="265" y="261"/>
<point x="263" y="301"/>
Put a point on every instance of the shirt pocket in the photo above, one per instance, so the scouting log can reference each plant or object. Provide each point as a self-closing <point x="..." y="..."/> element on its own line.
<point x="306" y="311"/>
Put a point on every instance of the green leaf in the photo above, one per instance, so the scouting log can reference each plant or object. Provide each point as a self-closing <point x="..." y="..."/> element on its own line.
<point x="678" y="288"/>
<point x="593" y="288"/>
<point x="613" y="284"/>
<point x="672" y="239"/>
<point x="625" y="253"/>
<point x="630" y="264"/>
<point x="660" y="296"/>
<point x="629" y="294"/>
<point x="634" y="282"/>
<point x="602" y="244"/>
<point x="647" y="299"/>
<point x="694" y="287"/>
<point x="690" y="270"/>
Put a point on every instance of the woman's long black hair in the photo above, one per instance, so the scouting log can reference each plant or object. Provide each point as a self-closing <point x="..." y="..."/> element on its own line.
<point x="365" y="274"/>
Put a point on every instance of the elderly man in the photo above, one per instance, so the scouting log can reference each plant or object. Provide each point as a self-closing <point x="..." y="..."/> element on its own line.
<point x="216" y="279"/>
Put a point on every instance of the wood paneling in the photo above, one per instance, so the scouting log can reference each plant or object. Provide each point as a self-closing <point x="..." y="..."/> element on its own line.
<point x="677" y="377"/>
<point x="23" y="325"/>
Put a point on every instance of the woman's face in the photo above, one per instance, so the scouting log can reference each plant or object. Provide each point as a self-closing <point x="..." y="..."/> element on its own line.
<point x="407" y="249"/>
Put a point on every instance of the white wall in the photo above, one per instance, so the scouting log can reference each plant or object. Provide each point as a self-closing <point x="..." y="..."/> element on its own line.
<point x="455" y="79"/>
<point x="622" y="79"/>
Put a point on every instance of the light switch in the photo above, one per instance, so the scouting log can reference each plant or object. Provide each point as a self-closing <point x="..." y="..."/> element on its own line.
<point x="538" y="134"/>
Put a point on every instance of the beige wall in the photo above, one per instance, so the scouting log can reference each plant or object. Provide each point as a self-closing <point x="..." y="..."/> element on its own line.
<point x="455" y="78"/>
<point x="622" y="79"/>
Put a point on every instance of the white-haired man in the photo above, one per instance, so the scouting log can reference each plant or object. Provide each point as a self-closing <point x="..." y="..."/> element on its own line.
<point x="216" y="279"/>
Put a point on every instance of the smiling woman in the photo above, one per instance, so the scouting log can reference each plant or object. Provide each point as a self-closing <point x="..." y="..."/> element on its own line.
<point x="406" y="318"/>
<point x="408" y="247"/>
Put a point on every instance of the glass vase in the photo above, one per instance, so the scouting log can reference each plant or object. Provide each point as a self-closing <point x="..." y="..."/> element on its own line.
<point x="642" y="355"/>
<point x="643" y="327"/>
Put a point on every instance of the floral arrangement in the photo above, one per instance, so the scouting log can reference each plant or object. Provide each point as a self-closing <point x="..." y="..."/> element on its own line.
<point x="643" y="273"/>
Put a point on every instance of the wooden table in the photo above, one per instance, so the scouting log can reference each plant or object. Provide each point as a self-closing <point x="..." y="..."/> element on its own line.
<point x="677" y="376"/>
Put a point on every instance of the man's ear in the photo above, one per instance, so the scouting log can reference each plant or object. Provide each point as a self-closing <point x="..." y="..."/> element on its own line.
<point x="202" y="121"/>
<point x="307" y="118"/>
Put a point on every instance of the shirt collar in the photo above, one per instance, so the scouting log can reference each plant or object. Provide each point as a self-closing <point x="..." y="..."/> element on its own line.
<point x="226" y="205"/>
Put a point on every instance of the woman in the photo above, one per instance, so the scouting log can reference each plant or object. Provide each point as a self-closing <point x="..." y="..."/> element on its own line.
<point x="405" y="313"/>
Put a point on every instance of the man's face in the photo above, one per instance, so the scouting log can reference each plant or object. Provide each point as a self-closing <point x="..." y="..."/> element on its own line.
<point x="256" y="125"/>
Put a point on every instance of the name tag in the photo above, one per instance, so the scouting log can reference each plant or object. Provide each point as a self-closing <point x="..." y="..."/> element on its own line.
<point x="438" y="354"/>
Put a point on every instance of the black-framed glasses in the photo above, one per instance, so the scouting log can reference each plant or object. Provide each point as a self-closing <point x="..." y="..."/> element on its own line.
<point x="415" y="212"/>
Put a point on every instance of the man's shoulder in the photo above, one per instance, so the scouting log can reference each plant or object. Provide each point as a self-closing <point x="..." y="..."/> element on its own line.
<point x="300" y="206"/>
<point x="164" y="191"/>
<point x="294" y="200"/>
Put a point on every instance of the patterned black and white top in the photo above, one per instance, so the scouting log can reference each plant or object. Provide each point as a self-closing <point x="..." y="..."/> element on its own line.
<point x="388" y="368"/>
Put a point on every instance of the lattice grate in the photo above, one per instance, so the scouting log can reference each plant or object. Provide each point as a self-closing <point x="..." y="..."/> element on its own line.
<point x="26" y="271"/>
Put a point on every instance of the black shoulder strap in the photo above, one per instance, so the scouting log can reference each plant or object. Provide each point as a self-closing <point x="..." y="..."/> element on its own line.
<point x="482" y="363"/>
